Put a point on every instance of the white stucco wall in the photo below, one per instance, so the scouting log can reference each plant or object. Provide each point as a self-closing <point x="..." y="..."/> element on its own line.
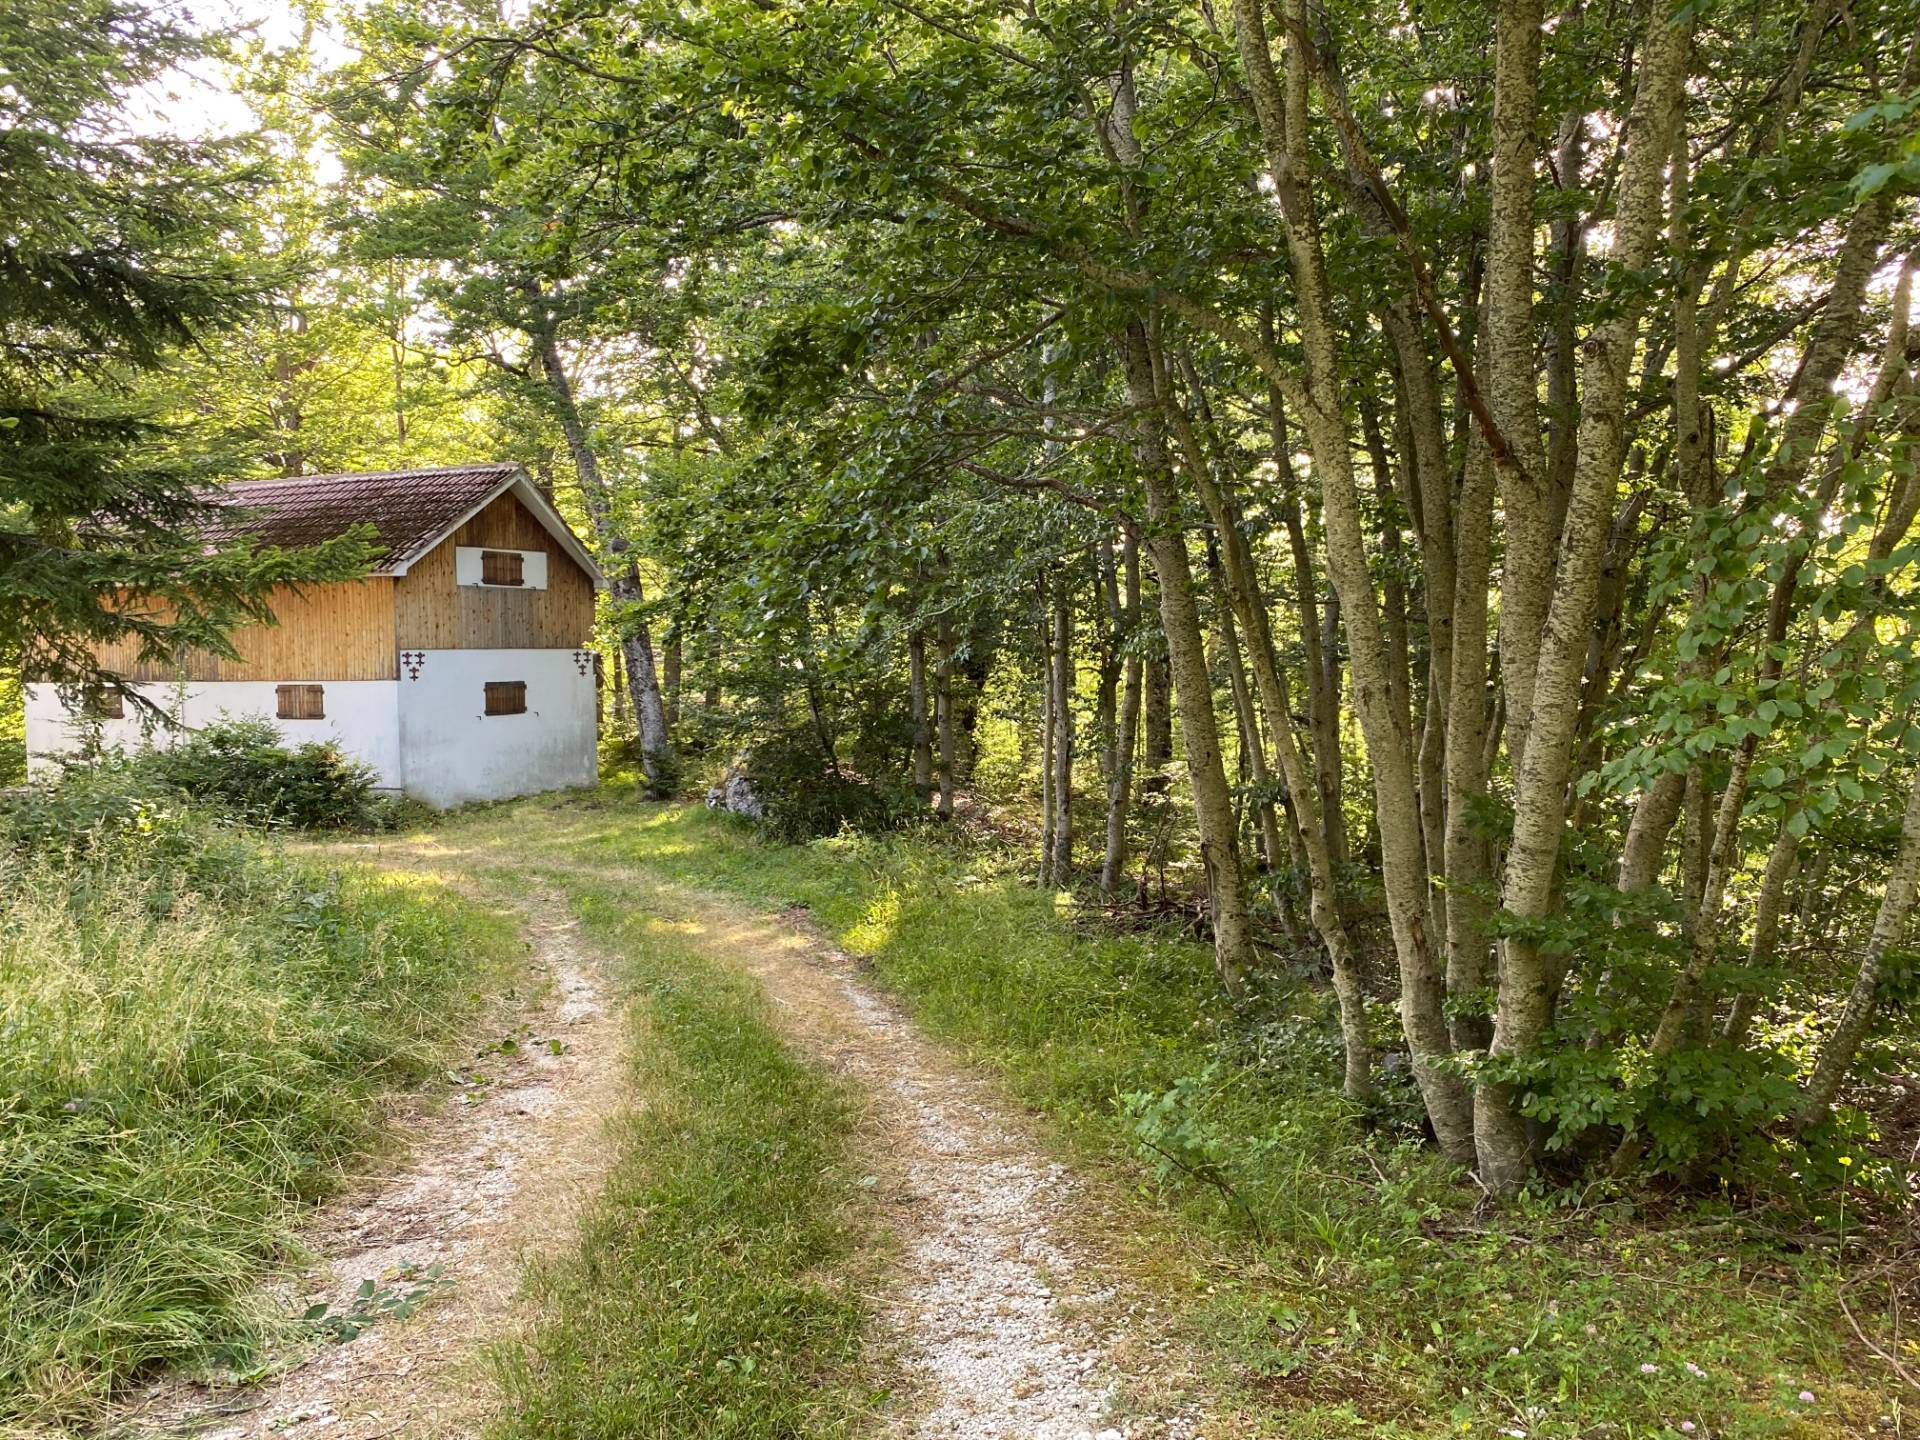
<point x="453" y="753"/>
<point x="363" y="716"/>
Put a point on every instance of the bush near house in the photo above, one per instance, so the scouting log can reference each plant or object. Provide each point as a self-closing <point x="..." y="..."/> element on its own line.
<point x="192" y="1028"/>
<point x="13" y="730"/>
<point x="243" y="765"/>
<point x="239" y="767"/>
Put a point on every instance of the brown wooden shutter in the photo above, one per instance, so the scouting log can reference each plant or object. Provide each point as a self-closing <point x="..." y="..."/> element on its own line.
<point x="502" y="567"/>
<point x="301" y="702"/>
<point x="506" y="697"/>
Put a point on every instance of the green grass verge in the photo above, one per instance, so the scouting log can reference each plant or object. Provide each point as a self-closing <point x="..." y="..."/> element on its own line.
<point x="714" y="1289"/>
<point x="192" y="1033"/>
<point x="1347" y="1286"/>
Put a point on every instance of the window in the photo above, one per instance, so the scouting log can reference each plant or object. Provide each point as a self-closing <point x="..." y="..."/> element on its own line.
<point x="495" y="567"/>
<point x="104" y="703"/>
<point x="506" y="697"/>
<point x="302" y="702"/>
<point x="502" y="567"/>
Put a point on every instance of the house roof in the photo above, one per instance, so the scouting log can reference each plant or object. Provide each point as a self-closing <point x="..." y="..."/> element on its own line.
<point x="411" y="511"/>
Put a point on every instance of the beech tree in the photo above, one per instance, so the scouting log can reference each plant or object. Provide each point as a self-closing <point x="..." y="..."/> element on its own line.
<point x="1475" y="448"/>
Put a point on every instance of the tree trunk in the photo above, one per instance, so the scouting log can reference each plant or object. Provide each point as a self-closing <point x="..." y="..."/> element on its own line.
<point x="1540" y="789"/>
<point x="1402" y="849"/>
<point x="1243" y="592"/>
<point x="671" y="679"/>
<point x="943" y="716"/>
<point x="1767" y="907"/>
<point x="1323" y="711"/>
<point x="1061" y="863"/>
<point x="1186" y="653"/>
<point x="1120" y="773"/>
<point x="1889" y="927"/>
<point x="922" y="722"/>
<point x="1043" y="633"/>
<point x="1156" y="723"/>
<point x="1252" y="751"/>
<point x="1466" y="849"/>
<point x="656" y="747"/>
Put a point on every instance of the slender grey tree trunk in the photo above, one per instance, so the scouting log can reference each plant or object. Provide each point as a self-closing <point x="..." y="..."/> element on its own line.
<point x="1061" y="862"/>
<point x="671" y="679"/>
<point x="943" y="716"/>
<point x="1540" y="789"/>
<point x="1402" y="847"/>
<point x="1889" y="927"/>
<point x="1253" y="759"/>
<point x="1186" y="651"/>
<point x="1043" y="633"/>
<point x="649" y="706"/>
<point x="1306" y="829"/>
<point x="1120" y="774"/>
<point x="1156" y="722"/>
<point x="917" y="706"/>
<point x="1767" y="907"/>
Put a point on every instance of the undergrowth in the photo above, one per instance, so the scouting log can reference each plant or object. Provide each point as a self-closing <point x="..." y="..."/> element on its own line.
<point x="1345" y="1281"/>
<point x="13" y="728"/>
<point x="712" y="1293"/>
<point x="192" y="1032"/>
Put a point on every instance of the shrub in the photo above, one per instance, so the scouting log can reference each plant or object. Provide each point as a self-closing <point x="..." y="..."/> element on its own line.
<point x="100" y="809"/>
<point x="13" y="730"/>
<point x="242" y="764"/>
<point x="806" y="796"/>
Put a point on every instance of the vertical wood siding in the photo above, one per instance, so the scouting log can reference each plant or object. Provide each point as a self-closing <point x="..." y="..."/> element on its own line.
<point x="326" y="632"/>
<point x="432" y="612"/>
<point x="354" y="631"/>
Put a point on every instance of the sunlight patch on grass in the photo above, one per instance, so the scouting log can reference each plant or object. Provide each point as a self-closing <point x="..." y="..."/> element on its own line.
<point x="870" y="935"/>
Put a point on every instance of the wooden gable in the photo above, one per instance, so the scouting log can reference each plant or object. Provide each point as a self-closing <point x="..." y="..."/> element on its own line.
<point x="432" y="611"/>
<point x="354" y="630"/>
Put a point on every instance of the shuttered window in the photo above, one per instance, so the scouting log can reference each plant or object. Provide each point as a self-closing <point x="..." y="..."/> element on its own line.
<point x="103" y="703"/>
<point x="506" y="697"/>
<point x="301" y="702"/>
<point x="502" y="567"/>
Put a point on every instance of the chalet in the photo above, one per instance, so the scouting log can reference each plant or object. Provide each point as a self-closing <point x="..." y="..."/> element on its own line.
<point x="458" y="668"/>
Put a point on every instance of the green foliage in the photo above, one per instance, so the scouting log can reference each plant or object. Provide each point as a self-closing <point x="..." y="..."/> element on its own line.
<point x="237" y="767"/>
<point x="373" y="1301"/>
<point x="806" y="795"/>
<point x="13" y="728"/>
<point x="194" y="1033"/>
<point x="116" y="258"/>
<point x="241" y="765"/>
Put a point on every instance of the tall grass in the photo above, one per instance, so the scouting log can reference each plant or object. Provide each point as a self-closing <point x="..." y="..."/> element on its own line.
<point x="192" y="1033"/>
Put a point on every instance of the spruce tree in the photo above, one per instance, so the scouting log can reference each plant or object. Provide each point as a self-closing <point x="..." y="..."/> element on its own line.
<point x="112" y="261"/>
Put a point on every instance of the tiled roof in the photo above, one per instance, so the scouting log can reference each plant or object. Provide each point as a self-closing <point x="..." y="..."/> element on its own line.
<point x="410" y="509"/>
